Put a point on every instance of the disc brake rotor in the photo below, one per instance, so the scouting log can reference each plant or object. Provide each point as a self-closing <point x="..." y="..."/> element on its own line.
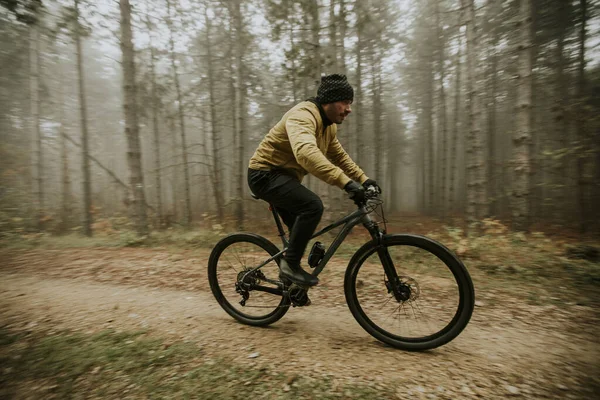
<point x="405" y="289"/>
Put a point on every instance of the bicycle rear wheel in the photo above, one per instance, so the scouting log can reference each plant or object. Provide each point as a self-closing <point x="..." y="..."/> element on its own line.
<point x="429" y="305"/>
<point x="253" y="298"/>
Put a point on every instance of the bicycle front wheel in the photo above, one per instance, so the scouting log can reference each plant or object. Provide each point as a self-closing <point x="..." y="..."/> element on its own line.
<point x="253" y="298"/>
<point x="430" y="303"/>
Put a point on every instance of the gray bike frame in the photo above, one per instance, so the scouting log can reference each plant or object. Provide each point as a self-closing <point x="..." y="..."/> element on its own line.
<point x="350" y="221"/>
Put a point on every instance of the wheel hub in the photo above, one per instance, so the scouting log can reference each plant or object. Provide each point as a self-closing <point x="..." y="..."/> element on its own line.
<point x="405" y="289"/>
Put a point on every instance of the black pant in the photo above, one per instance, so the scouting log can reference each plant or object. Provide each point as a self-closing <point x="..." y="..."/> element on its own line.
<point x="300" y="208"/>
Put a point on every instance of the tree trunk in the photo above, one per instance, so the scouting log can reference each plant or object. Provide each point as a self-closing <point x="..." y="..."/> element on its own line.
<point x="85" y="162"/>
<point x="491" y="111"/>
<point x="395" y="161"/>
<point x="443" y="128"/>
<point x="376" y="90"/>
<point x="520" y="210"/>
<point x="315" y="28"/>
<point x="583" y="188"/>
<point x="334" y="66"/>
<point x="134" y="159"/>
<point x="294" y="69"/>
<point x="217" y="181"/>
<point x="333" y="47"/>
<point x="66" y="196"/>
<point x="181" y="114"/>
<point x="175" y="182"/>
<point x="424" y="200"/>
<point x="475" y="164"/>
<point x="240" y="107"/>
<point x="455" y="130"/>
<point x="560" y="165"/>
<point x="428" y="126"/>
<point x="536" y="199"/>
<point x="155" y="130"/>
<point x="358" y="89"/>
<point x="208" y="195"/>
<point x="342" y="36"/>
<point x="349" y="130"/>
<point x="36" y="132"/>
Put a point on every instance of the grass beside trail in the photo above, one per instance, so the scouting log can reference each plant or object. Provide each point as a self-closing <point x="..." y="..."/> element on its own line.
<point x="114" y="365"/>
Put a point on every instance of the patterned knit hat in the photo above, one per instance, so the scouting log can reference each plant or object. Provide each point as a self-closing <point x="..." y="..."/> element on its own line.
<point x="334" y="87"/>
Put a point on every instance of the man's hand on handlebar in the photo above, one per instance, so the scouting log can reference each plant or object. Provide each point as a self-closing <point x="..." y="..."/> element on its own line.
<point x="356" y="192"/>
<point x="371" y="183"/>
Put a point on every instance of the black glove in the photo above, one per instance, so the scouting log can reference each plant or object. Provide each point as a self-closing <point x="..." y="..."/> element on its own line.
<point x="371" y="182"/>
<point x="356" y="191"/>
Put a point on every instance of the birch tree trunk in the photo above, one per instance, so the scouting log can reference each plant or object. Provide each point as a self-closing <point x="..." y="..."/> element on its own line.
<point x="85" y="162"/>
<point x="181" y="114"/>
<point x="520" y="210"/>
<point x="134" y="154"/>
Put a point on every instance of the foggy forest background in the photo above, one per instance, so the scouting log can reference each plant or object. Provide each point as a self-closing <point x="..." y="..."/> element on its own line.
<point x="148" y="111"/>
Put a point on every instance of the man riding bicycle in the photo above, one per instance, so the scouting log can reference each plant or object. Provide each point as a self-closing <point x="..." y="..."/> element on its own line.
<point x="304" y="141"/>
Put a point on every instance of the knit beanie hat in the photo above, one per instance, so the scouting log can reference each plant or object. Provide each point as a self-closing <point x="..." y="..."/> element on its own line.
<point x="334" y="87"/>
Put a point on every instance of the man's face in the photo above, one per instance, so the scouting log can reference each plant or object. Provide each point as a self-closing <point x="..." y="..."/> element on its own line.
<point x="338" y="111"/>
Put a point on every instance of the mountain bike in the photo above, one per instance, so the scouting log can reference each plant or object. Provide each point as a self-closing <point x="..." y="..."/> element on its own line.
<point x="407" y="291"/>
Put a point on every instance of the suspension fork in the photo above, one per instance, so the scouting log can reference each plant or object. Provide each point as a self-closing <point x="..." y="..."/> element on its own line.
<point x="382" y="250"/>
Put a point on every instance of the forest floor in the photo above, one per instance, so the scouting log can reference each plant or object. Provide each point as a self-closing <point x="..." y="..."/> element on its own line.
<point x="93" y="321"/>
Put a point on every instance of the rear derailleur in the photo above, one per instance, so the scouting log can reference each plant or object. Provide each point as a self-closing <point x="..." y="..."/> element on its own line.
<point x="245" y="283"/>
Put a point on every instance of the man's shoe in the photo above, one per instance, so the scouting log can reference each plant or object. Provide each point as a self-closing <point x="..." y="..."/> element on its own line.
<point x="296" y="274"/>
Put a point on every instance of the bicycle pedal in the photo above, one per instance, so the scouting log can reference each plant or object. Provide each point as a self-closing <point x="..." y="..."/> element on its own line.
<point x="298" y="296"/>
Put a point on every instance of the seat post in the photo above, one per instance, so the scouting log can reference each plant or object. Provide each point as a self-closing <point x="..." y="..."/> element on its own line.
<point x="279" y="225"/>
<point x="277" y="221"/>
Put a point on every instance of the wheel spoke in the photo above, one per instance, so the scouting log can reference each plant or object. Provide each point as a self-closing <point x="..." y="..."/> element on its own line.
<point x="421" y="303"/>
<point x="236" y="282"/>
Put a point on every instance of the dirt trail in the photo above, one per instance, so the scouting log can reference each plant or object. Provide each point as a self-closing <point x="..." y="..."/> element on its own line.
<point x="509" y="348"/>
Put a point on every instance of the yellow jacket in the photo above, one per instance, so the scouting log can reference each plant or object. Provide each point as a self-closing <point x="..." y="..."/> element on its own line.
<point x="300" y="144"/>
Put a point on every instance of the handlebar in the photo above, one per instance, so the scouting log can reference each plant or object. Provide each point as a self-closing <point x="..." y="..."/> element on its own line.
<point x="371" y="193"/>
